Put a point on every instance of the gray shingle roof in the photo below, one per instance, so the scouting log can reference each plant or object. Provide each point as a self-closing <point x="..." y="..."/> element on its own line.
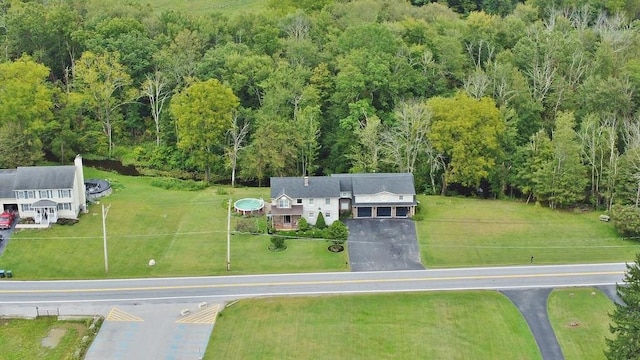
<point x="44" y="177"/>
<point x="7" y="178"/>
<point x="330" y="186"/>
<point x="319" y="187"/>
<point x="374" y="183"/>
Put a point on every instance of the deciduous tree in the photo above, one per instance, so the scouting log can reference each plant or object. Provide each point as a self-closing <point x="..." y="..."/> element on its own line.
<point x="203" y="112"/>
<point x="466" y="131"/>
<point x="106" y="86"/>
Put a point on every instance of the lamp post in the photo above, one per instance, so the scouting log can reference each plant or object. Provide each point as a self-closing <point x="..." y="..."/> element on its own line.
<point x="104" y="237"/>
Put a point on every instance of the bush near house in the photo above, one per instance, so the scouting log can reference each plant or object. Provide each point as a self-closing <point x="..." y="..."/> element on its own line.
<point x="337" y="232"/>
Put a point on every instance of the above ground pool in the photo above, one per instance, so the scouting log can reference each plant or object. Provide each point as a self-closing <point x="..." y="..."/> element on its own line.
<point x="96" y="188"/>
<point x="249" y="206"/>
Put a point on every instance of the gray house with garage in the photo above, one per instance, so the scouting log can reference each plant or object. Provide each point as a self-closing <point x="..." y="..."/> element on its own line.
<point x="371" y="195"/>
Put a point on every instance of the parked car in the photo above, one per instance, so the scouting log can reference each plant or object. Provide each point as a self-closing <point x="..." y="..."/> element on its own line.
<point x="6" y="219"/>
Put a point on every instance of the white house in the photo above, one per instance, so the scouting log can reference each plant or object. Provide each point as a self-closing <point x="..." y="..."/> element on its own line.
<point x="44" y="193"/>
<point x="383" y="195"/>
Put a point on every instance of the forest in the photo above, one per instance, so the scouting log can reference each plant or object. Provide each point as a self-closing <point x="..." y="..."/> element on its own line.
<point x="536" y="100"/>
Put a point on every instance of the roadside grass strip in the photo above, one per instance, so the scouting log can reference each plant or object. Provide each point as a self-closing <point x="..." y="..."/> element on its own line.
<point x="205" y="316"/>
<point x="119" y="315"/>
<point x="580" y="320"/>
<point x="448" y="325"/>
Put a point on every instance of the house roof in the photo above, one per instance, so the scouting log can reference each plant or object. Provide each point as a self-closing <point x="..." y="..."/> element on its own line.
<point x="44" y="177"/>
<point x="294" y="187"/>
<point x="7" y="177"/>
<point x="375" y="183"/>
<point x="331" y="186"/>
<point x="44" y="203"/>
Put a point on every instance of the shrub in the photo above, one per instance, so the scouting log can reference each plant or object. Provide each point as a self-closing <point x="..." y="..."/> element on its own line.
<point x="67" y="221"/>
<point x="303" y="225"/>
<point x="337" y="232"/>
<point x="247" y="225"/>
<point x="277" y="243"/>
<point x="320" y="223"/>
<point x="626" y="219"/>
<point x="418" y="217"/>
<point x="176" y="184"/>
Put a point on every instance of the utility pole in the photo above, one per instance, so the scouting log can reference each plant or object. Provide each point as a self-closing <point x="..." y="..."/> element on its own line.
<point x="229" y="236"/>
<point x="104" y="236"/>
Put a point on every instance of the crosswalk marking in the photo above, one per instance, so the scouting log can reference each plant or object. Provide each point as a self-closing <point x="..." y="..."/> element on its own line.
<point x="118" y="315"/>
<point x="205" y="316"/>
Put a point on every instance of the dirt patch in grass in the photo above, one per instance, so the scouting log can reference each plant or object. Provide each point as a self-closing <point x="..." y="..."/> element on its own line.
<point x="53" y="338"/>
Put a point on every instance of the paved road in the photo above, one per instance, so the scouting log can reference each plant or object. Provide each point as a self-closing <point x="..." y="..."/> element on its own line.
<point x="138" y="311"/>
<point x="225" y="288"/>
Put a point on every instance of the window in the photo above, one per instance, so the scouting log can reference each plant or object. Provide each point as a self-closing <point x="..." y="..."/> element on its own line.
<point x="344" y="194"/>
<point x="311" y="215"/>
<point x="327" y="201"/>
<point x="26" y="207"/>
<point x="298" y="201"/>
<point x="64" y="206"/>
<point x="45" y="194"/>
<point x="20" y="194"/>
<point x="30" y="194"/>
<point x="327" y="214"/>
<point x="400" y="197"/>
<point x="310" y="201"/>
<point x="64" y="193"/>
<point x="284" y="203"/>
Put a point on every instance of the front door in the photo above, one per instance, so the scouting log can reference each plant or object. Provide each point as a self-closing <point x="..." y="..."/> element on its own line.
<point x="287" y="220"/>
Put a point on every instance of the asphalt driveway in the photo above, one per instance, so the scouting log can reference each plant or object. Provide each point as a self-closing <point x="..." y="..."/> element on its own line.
<point x="383" y="245"/>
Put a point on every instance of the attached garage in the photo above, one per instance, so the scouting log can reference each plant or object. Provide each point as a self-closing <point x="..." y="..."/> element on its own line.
<point x="384" y="211"/>
<point x="364" y="212"/>
<point x="402" y="211"/>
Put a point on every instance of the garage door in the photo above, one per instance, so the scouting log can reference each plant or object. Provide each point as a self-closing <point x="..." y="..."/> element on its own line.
<point x="364" y="212"/>
<point x="402" y="211"/>
<point x="383" y="212"/>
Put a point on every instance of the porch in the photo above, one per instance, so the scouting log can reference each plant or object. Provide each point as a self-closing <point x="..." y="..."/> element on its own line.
<point x="286" y="218"/>
<point x="45" y="212"/>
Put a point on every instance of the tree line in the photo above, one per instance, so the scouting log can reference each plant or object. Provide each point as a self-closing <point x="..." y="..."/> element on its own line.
<point x="537" y="100"/>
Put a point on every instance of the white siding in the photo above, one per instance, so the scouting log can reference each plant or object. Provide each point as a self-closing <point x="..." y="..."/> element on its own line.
<point x="384" y="197"/>
<point x="319" y="205"/>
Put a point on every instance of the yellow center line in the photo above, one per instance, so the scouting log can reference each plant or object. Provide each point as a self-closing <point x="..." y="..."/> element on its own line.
<point x="317" y="282"/>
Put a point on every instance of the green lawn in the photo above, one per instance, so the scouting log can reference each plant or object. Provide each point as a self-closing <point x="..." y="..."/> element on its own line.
<point x="447" y="325"/>
<point x="580" y="320"/>
<point x="473" y="232"/>
<point x="184" y="231"/>
<point x="22" y="339"/>
<point x="193" y="7"/>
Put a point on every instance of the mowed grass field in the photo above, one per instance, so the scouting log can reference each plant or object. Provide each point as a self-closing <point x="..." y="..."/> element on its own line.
<point x="473" y="232"/>
<point x="185" y="232"/>
<point x="446" y="325"/>
<point x="193" y="7"/>
<point x="580" y="320"/>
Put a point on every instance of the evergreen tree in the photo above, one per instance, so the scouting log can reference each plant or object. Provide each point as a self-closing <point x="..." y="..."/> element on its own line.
<point x="625" y="319"/>
<point x="320" y="223"/>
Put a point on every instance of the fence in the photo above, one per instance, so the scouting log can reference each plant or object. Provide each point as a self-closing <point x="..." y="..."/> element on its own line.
<point x="47" y="312"/>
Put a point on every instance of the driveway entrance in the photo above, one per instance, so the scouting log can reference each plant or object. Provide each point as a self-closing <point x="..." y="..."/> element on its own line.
<point x="383" y="245"/>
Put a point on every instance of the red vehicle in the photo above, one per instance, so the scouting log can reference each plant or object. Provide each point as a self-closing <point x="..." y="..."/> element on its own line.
<point x="6" y="219"/>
